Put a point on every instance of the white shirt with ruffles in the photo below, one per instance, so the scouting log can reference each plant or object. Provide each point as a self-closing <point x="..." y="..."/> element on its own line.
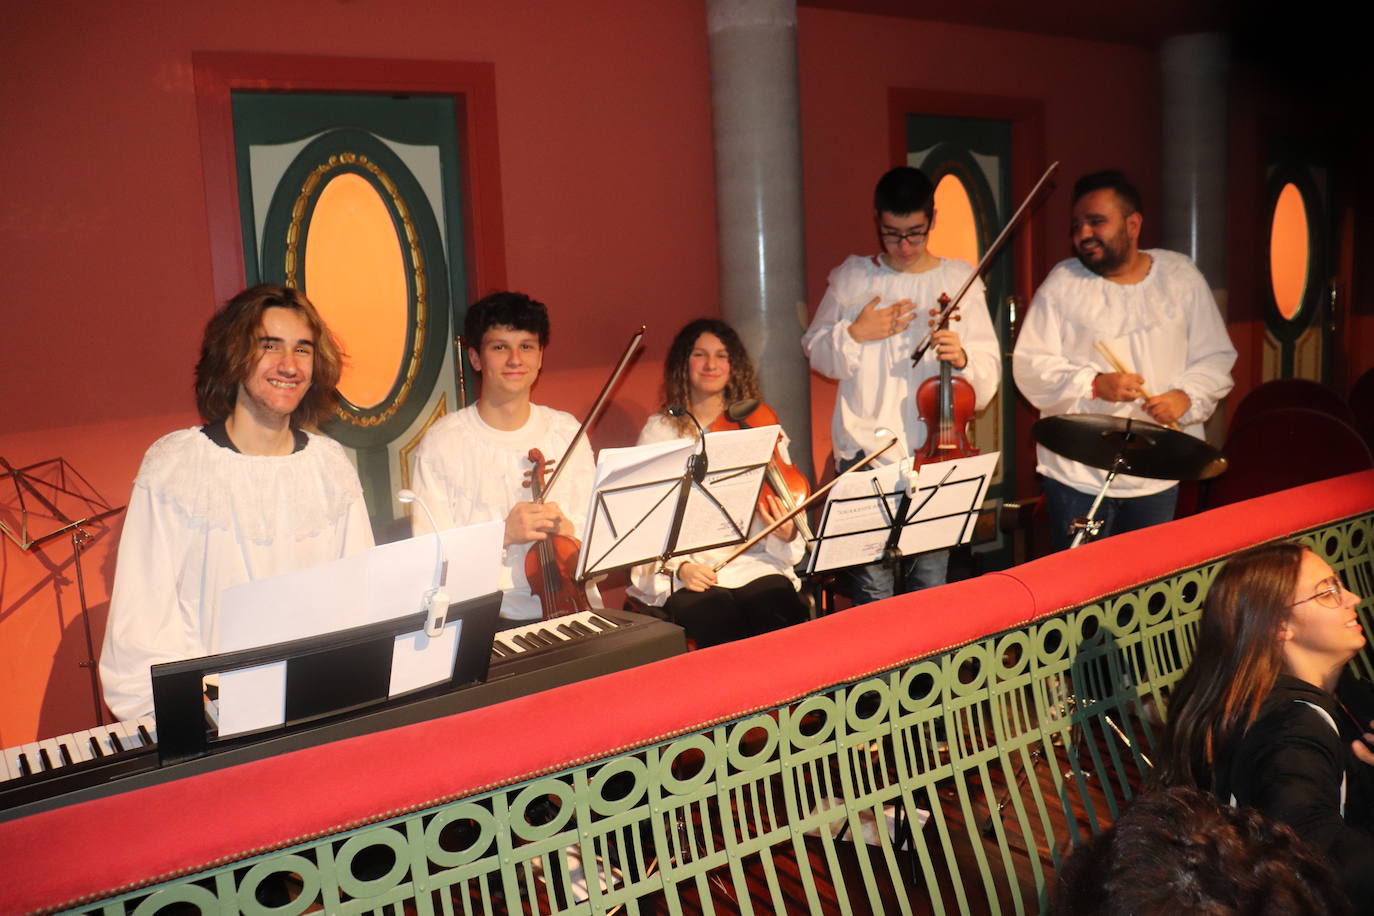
<point x="203" y="518"/>
<point x="468" y="472"/>
<point x="1166" y="328"/>
<point x="877" y="381"/>
<point x="771" y="556"/>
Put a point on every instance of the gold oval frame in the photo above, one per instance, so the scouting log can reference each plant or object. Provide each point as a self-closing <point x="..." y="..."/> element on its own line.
<point x="294" y="238"/>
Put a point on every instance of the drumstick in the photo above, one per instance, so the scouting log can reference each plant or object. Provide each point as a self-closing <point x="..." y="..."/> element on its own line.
<point x="1119" y="366"/>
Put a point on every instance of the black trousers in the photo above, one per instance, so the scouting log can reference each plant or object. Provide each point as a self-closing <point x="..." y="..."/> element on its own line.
<point x="720" y="615"/>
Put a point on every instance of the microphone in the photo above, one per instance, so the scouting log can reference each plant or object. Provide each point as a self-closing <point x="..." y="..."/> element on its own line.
<point x="435" y="602"/>
<point x="696" y="466"/>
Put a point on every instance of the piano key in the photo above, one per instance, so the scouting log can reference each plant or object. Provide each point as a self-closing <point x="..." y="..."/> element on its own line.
<point x="28" y="758"/>
<point x="64" y="751"/>
<point x="147" y="727"/>
<point x="48" y="753"/>
<point x="6" y="773"/>
<point x="129" y="738"/>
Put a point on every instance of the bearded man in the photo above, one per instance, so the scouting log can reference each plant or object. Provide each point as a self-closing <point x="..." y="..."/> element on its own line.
<point x="1154" y="310"/>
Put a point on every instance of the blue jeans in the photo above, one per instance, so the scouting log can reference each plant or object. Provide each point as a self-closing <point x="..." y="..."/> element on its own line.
<point x="873" y="581"/>
<point x="1116" y="514"/>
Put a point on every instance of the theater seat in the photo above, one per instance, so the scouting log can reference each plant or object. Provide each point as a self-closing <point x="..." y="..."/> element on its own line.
<point x="1284" y="448"/>
<point x="1291" y="392"/>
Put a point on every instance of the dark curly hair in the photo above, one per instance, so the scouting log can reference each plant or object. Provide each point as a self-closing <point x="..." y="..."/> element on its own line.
<point x="229" y="352"/>
<point x="505" y="310"/>
<point x="677" y="390"/>
<point x="1180" y="851"/>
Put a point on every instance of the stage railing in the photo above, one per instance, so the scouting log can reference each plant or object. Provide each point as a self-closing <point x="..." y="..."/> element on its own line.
<point x="939" y="752"/>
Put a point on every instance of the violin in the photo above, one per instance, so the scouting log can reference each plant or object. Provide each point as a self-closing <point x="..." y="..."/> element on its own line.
<point x="551" y="564"/>
<point x="781" y="479"/>
<point x="945" y="403"/>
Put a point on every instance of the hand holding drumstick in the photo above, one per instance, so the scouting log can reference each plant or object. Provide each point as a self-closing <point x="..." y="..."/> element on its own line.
<point x="1125" y="385"/>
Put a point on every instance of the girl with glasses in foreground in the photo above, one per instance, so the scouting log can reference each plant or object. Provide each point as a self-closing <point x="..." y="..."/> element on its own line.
<point x="1269" y="716"/>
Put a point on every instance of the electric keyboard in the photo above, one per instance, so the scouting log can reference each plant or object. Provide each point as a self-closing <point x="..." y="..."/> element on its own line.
<point x="114" y="758"/>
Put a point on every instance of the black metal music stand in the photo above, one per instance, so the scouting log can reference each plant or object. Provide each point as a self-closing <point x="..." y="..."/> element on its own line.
<point x="51" y="500"/>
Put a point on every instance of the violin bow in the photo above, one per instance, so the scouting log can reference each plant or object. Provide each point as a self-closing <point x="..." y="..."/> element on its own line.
<point x="597" y="407"/>
<point x="996" y="246"/>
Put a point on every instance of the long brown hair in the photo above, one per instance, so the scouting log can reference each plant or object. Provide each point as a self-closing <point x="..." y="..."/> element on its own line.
<point x="1237" y="659"/>
<point x="677" y="390"/>
<point x="229" y="351"/>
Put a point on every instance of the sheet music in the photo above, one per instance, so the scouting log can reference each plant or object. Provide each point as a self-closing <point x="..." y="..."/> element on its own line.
<point x="635" y="496"/>
<point x="737" y="461"/>
<point x="383" y="583"/>
<point x="632" y="503"/>
<point x="856" y="524"/>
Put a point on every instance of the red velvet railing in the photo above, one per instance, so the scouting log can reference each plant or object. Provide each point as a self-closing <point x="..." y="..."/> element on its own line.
<point x="145" y="835"/>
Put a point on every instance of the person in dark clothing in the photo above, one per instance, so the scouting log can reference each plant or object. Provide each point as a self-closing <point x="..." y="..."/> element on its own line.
<point x="1269" y="717"/>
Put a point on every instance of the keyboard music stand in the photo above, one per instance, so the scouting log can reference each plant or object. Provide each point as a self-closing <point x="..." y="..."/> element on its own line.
<point x="329" y="676"/>
<point x="84" y="507"/>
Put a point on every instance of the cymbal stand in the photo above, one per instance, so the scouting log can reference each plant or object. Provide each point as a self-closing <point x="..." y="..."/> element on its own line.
<point x="1090" y="525"/>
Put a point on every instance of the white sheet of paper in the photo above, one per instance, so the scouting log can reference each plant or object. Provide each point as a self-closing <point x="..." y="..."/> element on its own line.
<point x="632" y="503"/>
<point x="736" y="490"/>
<point x="950" y="491"/>
<point x="383" y="583"/>
<point x="258" y="698"/>
<point x="417" y="660"/>
<point x="946" y="492"/>
<point x="856" y="527"/>
<point x="634" y="497"/>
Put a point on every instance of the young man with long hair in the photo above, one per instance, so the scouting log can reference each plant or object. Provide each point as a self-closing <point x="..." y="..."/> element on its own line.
<point x="249" y="494"/>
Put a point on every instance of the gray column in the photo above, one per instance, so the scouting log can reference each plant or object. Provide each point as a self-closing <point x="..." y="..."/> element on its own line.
<point x="1195" y="71"/>
<point x="758" y="198"/>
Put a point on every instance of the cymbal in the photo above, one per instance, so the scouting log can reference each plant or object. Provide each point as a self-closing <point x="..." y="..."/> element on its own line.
<point x="1146" y="449"/>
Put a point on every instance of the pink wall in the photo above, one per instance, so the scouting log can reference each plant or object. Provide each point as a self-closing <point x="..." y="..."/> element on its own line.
<point x="605" y="153"/>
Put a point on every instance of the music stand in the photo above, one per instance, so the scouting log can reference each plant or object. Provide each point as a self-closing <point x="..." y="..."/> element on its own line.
<point x="648" y="504"/>
<point x="882" y="514"/>
<point x="83" y="507"/>
<point x="328" y="676"/>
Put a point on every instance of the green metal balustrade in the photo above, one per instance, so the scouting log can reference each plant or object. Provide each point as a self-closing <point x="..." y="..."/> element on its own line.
<point x="957" y="783"/>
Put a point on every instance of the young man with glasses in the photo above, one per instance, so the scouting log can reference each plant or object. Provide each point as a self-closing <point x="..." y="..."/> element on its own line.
<point x="875" y="311"/>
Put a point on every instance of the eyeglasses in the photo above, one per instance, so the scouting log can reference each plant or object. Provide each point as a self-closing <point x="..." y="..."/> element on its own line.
<point x="912" y="235"/>
<point x="1328" y="594"/>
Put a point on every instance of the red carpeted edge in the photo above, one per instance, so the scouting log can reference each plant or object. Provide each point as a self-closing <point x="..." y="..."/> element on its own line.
<point x="102" y="846"/>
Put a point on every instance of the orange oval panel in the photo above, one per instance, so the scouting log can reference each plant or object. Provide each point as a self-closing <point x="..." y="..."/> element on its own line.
<point x="356" y="276"/>
<point x="956" y="231"/>
<point x="1288" y="250"/>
